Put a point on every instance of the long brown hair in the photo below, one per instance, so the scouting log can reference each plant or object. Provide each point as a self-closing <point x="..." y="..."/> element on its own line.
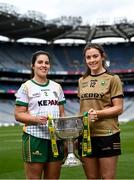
<point x="34" y="58"/>
<point x="102" y="52"/>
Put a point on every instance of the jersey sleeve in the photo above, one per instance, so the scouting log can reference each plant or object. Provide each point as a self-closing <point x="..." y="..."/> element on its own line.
<point x="62" y="99"/>
<point x="22" y="96"/>
<point x="116" y="87"/>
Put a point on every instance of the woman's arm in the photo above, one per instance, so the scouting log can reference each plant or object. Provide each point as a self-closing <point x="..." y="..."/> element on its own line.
<point x="115" y="110"/>
<point x="22" y="115"/>
<point x="62" y="111"/>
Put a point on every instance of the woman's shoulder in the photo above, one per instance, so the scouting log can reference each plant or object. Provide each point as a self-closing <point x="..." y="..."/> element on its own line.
<point x="112" y="74"/>
<point x="81" y="79"/>
<point x="27" y="83"/>
<point x="113" y="77"/>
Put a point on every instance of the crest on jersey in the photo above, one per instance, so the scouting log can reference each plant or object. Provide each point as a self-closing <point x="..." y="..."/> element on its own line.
<point x="55" y="94"/>
<point x="102" y="82"/>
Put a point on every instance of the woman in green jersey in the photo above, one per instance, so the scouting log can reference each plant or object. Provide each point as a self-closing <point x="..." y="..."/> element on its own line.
<point x="101" y="95"/>
<point x="36" y="100"/>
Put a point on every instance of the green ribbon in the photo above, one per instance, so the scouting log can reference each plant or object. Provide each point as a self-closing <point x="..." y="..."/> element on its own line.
<point x="86" y="141"/>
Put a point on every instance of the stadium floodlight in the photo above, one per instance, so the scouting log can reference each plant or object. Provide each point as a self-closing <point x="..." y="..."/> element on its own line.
<point x="9" y="9"/>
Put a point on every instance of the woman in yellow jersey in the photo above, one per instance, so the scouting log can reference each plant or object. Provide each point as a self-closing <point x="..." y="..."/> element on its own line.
<point x="101" y="95"/>
<point x="36" y="99"/>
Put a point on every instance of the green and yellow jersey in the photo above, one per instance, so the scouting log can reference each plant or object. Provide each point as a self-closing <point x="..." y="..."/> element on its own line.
<point x="41" y="100"/>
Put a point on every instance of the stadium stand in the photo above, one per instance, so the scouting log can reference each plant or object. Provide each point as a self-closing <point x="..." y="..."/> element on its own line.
<point x="17" y="55"/>
<point x="7" y="112"/>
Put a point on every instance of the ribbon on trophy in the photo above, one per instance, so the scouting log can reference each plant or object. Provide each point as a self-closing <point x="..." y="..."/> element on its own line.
<point x="86" y="142"/>
<point x="52" y="136"/>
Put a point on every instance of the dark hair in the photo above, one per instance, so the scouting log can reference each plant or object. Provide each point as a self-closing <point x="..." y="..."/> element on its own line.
<point x="34" y="58"/>
<point x="102" y="52"/>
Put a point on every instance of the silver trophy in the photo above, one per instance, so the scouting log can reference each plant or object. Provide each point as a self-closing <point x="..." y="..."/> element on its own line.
<point x="69" y="128"/>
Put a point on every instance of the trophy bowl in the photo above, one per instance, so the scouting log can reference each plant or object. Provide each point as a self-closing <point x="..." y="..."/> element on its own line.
<point x="69" y="128"/>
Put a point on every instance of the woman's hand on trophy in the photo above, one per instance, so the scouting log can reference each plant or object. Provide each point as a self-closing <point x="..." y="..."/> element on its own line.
<point x="92" y="114"/>
<point x="41" y="120"/>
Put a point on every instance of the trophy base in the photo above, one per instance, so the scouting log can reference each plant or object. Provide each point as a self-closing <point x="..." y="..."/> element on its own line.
<point x="71" y="161"/>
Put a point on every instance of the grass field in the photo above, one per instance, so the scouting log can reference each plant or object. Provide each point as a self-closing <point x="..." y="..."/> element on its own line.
<point x="11" y="165"/>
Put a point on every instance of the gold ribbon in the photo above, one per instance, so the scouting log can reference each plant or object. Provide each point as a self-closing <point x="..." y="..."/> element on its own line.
<point x="86" y="141"/>
<point x="52" y="136"/>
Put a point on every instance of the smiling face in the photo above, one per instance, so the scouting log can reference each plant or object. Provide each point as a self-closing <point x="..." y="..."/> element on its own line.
<point x="94" y="60"/>
<point x="41" y="67"/>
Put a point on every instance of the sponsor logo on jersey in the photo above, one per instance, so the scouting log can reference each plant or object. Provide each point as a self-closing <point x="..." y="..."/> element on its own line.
<point x="92" y="96"/>
<point x="45" y="89"/>
<point x="47" y="102"/>
<point x="36" y="95"/>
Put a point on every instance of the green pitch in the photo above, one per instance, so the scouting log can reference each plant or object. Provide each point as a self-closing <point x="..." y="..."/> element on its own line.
<point x="11" y="165"/>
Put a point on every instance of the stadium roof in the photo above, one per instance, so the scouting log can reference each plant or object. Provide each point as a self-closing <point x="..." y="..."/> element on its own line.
<point x="34" y="25"/>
